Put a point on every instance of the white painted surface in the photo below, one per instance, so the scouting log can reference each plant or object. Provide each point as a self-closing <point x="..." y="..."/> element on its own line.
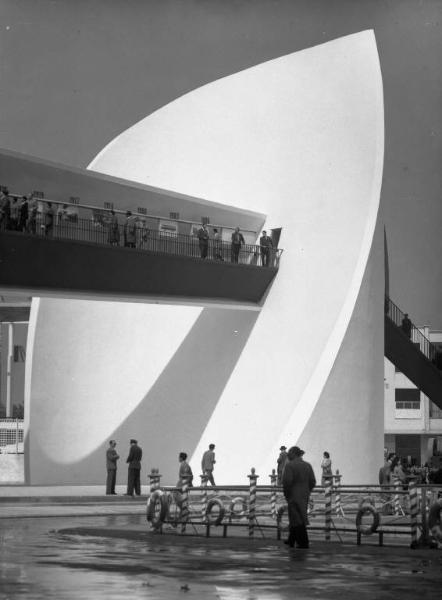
<point x="299" y="138"/>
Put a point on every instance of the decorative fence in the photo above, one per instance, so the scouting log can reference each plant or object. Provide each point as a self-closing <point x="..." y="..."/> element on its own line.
<point x="11" y="436"/>
<point x="334" y="512"/>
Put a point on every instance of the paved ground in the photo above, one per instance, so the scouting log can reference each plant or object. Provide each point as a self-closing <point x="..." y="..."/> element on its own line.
<point x="113" y="557"/>
<point x="77" y="543"/>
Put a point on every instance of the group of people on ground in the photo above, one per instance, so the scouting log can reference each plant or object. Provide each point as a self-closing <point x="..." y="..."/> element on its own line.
<point x="133" y="460"/>
<point x="400" y="469"/>
<point x="295" y="475"/>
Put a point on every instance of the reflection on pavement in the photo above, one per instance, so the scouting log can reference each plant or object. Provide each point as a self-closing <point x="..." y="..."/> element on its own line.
<point x="116" y="557"/>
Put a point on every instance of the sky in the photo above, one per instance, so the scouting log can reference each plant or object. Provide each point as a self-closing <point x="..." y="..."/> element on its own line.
<point x="75" y="74"/>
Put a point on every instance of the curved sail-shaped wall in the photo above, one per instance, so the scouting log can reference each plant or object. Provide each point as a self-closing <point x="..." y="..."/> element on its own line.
<point x="300" y="139"/>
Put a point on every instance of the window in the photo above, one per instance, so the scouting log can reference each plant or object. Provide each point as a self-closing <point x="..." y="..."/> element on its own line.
<point x="435" y="411"/>
<point x="174" y="215"/>
<point x="205" y="220"/>
<point x="74" y="200"/>
<point x="19" y="354"/>
<point x="109" y="205"/>
<point x="142" y="210"/>
<point x="38" y="194"/>
<point x="407" y="399"/>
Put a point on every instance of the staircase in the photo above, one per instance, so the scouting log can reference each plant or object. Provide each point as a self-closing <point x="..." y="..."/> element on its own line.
<point x="413" y="354"/>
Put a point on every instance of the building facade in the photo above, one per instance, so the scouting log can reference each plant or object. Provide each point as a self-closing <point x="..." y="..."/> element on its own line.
<point x="413" y="424"/>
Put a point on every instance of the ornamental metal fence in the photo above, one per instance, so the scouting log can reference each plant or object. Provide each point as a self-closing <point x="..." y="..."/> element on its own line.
<point x="335" y="512"/>
<point x="11" y="436"/>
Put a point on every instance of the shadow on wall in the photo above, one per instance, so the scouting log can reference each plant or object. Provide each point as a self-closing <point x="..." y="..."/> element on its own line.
<point x="174" y="413"/>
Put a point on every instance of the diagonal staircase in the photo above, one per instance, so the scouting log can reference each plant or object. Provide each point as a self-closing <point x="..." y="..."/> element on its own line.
<point x="413" y="354"/>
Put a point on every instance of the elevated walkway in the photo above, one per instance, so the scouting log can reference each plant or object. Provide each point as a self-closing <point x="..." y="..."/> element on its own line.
<point x="412" y="354"/>
<point x="72" y="245"/>
<point x="42" y="266"/>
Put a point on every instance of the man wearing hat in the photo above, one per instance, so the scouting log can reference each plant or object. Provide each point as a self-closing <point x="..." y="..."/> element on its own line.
<point x="133" y="476"/>
<point x="282" y="459"/>
<point x="298" y="481"/>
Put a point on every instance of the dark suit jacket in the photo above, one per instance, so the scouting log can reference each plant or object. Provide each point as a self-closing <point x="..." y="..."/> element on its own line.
<point x="134" y="458"/>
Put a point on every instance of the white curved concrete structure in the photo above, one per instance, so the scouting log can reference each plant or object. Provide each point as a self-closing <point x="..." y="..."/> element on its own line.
<point x="299" y="138"/>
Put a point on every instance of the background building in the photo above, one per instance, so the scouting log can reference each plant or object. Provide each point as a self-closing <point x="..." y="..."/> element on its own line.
<point x="413" y="424"/>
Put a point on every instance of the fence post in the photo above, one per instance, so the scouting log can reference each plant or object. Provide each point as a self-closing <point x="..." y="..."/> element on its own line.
<point x="397" y="504"/>
<point x="338" y="506"/>
<point x="16" y="435"/>
<point x="412" y="490"/>
<point x="273" y="478"/>
<point x="154" y="480"/>
<point x="328" y="509"/>
<point x="252" y="500"/>
<point x="424" y="514"/>
<point x="184" y="505"/>
<point x="204" y="497"/>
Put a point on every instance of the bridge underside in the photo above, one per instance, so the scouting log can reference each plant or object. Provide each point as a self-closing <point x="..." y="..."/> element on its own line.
<point x="41" y="266"/>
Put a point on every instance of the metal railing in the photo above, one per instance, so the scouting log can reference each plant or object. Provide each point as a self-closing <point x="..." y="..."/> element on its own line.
<point x="333" y="510"/>
<point x="102" y="229"/>
<point x="413" y="333"/>
<point x="11" y="436"/>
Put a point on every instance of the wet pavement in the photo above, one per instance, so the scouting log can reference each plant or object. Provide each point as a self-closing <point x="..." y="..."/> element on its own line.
<point x="98" y="557"/>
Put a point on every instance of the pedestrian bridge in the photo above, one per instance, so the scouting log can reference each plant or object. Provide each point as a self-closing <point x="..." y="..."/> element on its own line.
<point x="72" y="256"/>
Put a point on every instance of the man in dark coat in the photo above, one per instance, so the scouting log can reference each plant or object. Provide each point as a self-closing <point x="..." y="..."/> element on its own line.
<point x="203" y="240"/>
<point x="133" y="476"/>
<point x="237" y="242"/>
<point x="266" y="244"/>
<point x="111" y="466"/>
<point x="281" y="462"/>
<point x="298" y="480"/>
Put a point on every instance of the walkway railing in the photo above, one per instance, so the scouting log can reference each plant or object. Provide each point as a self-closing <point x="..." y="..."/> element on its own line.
<point x="415" y="335"/>
<point x="103" y="229"/>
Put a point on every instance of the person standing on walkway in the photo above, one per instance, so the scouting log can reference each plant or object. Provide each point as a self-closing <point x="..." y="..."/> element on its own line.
<point x="5" y="209"/>
<point x="326" y="466"/>
<point x="281" y="462"/>
<point x="237" y="242"/>
<point x="133" y="476"/>
<point x="406" y="326"/>
<point x="114" y="230"/>
<point x="203" y="240"/>
<point x="217" y="245"/>
<point x="23" y="214"/>
<point x="32" y="215"/>
<point x="130" y="230"/>
<point x="266" y="245"/>
<point x="298" y="481"/>
<point x="111" y="466"/>
<point x="49" y="220"/>
<point x="207" y="463"/>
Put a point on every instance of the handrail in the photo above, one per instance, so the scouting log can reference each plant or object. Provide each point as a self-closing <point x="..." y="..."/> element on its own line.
<point x="394" y="313"/>
<point x="105" y="232"/>
<point x="123" y="212"/>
